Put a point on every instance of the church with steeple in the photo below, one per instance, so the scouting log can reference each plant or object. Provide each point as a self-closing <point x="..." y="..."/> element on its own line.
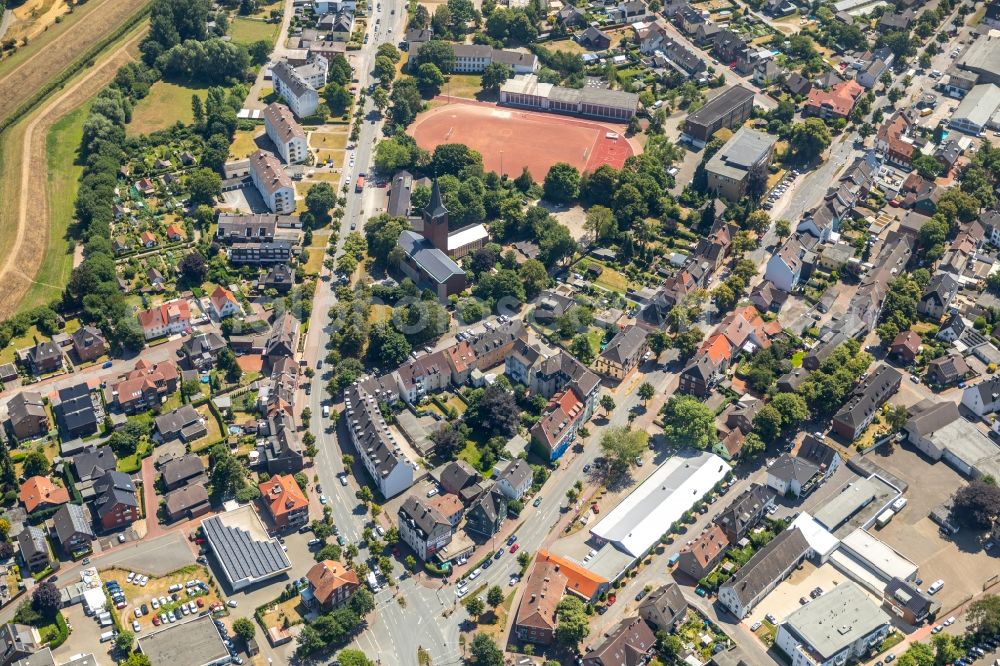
<point x="429" y="253"/>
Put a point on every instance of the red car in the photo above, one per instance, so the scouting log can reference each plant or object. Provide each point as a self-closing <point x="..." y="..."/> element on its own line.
<point x="156" y="621"/>
<point x="513" y="549"/>
<point x="596" y="509"/>
<point x="612" y="599"/>
<point x="201" y="602"/>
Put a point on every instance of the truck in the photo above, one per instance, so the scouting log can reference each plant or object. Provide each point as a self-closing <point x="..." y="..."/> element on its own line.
<point x="673" y="559"/>
<point x="898" y="505"/>
<point x="884" y="518"/>
<point x="360" y="185"/>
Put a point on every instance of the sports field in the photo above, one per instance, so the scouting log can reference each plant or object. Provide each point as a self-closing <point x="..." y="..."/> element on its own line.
<point x="511" y="139"/>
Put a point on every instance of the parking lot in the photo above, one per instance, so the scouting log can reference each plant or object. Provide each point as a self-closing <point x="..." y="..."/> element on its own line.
<point x="962" y="563"/>
<point x="163" y="589"/>
<point x="85" y="637"/>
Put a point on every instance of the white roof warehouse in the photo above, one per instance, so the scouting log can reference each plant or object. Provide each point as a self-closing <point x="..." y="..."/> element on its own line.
<point x="637" y="524"/>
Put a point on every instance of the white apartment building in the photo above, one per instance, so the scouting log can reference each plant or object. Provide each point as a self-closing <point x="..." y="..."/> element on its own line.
<point x="272" y="182"/>
<point x="287" y="135"/>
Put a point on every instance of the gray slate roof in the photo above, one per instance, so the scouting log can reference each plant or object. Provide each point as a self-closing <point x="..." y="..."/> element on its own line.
<point x="438" y="265"/>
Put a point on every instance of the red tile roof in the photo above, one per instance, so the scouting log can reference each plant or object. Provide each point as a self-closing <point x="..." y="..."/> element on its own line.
<point x="40" y="491"/>
<point x="840" y="99"/>
<point x="282" y="495"/>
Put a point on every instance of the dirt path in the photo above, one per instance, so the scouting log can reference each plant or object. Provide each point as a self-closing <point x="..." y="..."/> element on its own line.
<point x="25" y="255"/>
<point x="28" y="77"/>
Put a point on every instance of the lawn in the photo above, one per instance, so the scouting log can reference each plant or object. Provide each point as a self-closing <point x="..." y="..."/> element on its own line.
<point x="247" y="31"/>
<point x="315" y="263"/>
<point x="471" y="454"/>
<point x="379" y="313"/>
<point x="328" y="140"/>
<point x="61" y="146"/>
<point x="166" y="104"/>
<point x="133" y="463"/>
<point x="468" y="86"/>
<point x="797" y="359"/>
<point x="612" y="280"/>
<point x="214" y="432"/>
<point x="7" y="353"/>
<point x="243" y="144"/>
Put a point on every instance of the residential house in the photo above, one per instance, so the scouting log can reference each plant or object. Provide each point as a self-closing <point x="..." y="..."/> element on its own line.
<point x="908" y="602"/>
<point x="72" y="530"/>
<point x="183" y="423"/>
<point x="741" y="162"/>
<point x="34" y="548"/>
<point x="332" y="583"/>
<point x="894" y="140"/>
<point x="173" y="233"/>
<point x="623" y="354"/>
<point x="766" y="72"/>
<point x="664" y="608"/>
<point x="19" y="641"/>
<point x="278" y="277"/>
<point x="45" y="357"/>
<point x="766" y="297"/>
<point x="285" y="502"/>
<point x="93" y="462"/>
<point x="938" y="295"/>
<point x="187" y="502"/>
<point x="798" y="85"/>
<point x="380" y="455"/>
<point x="675" y="55"/>
<point x="906" y="346"/>
<point x="631" y="642"/>
<point x="838" y="102"/>
<point x="872" y="73"/>
<point x="423" y="528"/>
<point x="274" y="185"/>
<point x="516" y="478"/>
<point x="165" y="319"/>
<point x="75" y="411"/>
<point x="707" y="367"/>
<point x="765" y="571"/>
<point x="224" y="303"/>
<point x="185" y="470"/>
<point x="569" y="17"/>
<point x="38" y="492"/>
<point x="704" y="553"/>
<point x="536" y="620"/>
<point x="581" y="581"/>
<point x="148" y="240"/>
<point x="714" y="247"/>
<point x="459" y="478"/>
<point x="116" y="504"/>
<point x="947" y="370"/>
<point x="294" y="88"/>
<point x="200" y="351"/>
<point x="449" y="506"/>
<point x="802" y="473"/>
<point x="744" y="513"/>
<point x="282" y="340"/>
<point x="28" y="418"/>
<point x="594" y="39"/>
<point x="89" y="343"/>
<point x="485" y="517"/>
<point x="859" y="411"/>
<point x="145" y="386"/>
<point x="784" y="268"/>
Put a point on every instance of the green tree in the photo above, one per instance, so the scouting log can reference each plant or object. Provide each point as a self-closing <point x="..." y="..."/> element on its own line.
<point x="495" y="74"/>
<point x="351" y="657"/>
<point x="384" y="70"/>
<point x="621" y="446"/>
<point x="753" y="446"/>
<point x="474" y="606"/>
<point x="494" y="597"/>
<point x="646" y="392"/>
<point x="439" y="53"/>
<point x="572" y="625"/>
<point x="688" y="422"/>
<point x="767" y="423"/>
<point x="485" y="652"/>
<point x="124" y="640"/>
<point x="810" y="138"/>
<point x="927" y="166"/>
<point x="984" y="615"/>
<point x="562" y="183"/>
<point x="337" y="98"/>
<point x="580" y="347"/>
<point x="205" y="187"/>
<point x="35" y="464"/>
<point x="896" y="417"/>
<point x="244" y="628"/>
<point x="320" y="200"/>
<point x="607" y="404"/>
<point x="792" y="408"/>
<point x="429" y="79"/>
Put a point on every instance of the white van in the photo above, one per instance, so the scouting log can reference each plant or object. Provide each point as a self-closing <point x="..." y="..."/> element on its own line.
<point x="935" y="586"/>
<point x="326" y="411"/>
<point x="107" y="636"/>
<point x="898" y="505"/>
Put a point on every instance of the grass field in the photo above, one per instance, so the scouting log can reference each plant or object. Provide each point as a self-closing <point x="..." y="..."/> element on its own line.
<point x="165" y="104"/>
<point x="26" y="72"/>
<point x="315" y="263"/>
<point x="468" y="86"/>
<point x="243" y="144"/>
<point x="247" y="31"/>
<point x="328" y="140"/>
<point x="64" y="176"/>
